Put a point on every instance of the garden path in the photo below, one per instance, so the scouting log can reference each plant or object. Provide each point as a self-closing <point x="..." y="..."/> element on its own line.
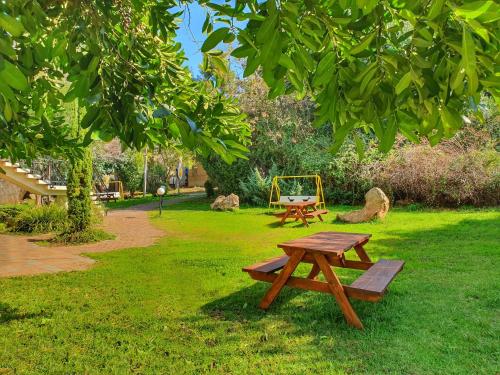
<point x="21" y="256"/>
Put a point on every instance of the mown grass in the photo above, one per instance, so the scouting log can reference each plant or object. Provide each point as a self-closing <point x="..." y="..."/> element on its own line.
<point x="126" y="203"/>
<point x="184" y="306"/>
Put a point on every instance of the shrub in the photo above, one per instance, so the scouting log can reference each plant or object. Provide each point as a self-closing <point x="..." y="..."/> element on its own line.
<point x="255" y="188"/>
<point x="128" y="169"/>
<point x="78" y="191"/>
<point x="87" y="236"/>
<point x="9" y="212"/>
<point x="209" y="189"/>
<point x="41" y="219"/>
<point x="441" y="176"/>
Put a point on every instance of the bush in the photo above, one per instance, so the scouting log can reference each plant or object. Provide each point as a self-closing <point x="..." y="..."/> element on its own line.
<point x="87" y="236"/>
<point x="9" y="212"/>
<point x="128" y="169"/>
<point x="441" y="176"/>
<point x="41" y="219"/>
<point x="209" y="189"/>
<point x="255" y="189"/>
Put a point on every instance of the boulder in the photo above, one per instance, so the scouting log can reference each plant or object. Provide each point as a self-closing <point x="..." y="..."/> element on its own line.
<point x="229" y="203"/>
<point x="376" y="206"/>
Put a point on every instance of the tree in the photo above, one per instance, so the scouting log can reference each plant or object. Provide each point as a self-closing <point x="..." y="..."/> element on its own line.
<point x="79" y="187"/>
<point x="125" y="71"/>
<point x="378" y="66"/>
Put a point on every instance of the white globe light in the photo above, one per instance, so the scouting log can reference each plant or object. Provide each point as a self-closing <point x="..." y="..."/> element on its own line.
<point x="161" y="190"/>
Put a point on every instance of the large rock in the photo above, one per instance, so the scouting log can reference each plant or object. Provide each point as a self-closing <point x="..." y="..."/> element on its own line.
<point x="229" y="203"/>
<point x="376" y="206"/>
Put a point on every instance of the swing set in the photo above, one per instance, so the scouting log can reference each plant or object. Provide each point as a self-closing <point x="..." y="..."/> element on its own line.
<point x="276" y="199"/>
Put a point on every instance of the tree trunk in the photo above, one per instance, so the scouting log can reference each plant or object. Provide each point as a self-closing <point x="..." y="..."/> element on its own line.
<point x="79" y="187"/>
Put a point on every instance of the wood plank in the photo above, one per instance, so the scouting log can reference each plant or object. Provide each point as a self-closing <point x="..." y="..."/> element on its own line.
<point x="281" y="279"/>
<point x="338" y="292"/>
<point x="314" y="285"/>
<point x="327" y="242"/>
<point x="316" y="213"/>
<point x="362" y="253"/>
<point x="269" y="265"/>
<point x="376" y="279"/>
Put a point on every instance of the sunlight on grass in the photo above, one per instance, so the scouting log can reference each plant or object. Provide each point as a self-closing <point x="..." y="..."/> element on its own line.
<point x="184" y="306"/>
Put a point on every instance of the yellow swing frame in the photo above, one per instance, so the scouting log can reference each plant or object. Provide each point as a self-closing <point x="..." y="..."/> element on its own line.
<point x="275" y="190"/>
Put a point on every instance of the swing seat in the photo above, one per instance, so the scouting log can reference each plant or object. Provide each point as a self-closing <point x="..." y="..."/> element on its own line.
<point x="297" y="198"/>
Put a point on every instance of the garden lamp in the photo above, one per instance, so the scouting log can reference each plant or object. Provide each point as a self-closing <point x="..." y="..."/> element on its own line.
<point x="161" y="192"/>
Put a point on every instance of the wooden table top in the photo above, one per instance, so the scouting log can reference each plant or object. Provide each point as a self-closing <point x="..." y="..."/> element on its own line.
<point x="299" y="203"/>
<point x="333" y="243"/>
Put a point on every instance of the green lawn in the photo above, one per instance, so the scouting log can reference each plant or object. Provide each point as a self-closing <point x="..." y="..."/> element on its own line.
<point x="184" y="306"/>
<point x="125" y="203"/>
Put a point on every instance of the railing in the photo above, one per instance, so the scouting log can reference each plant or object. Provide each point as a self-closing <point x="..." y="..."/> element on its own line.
<point x="52" y="171"/>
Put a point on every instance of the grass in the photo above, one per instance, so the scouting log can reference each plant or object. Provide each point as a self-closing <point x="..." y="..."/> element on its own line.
<point x="126" y="203"/>
<point x="184" y="306"/>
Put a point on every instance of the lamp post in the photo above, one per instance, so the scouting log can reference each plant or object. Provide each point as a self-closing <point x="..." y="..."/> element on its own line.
<point x="161" y="192"/>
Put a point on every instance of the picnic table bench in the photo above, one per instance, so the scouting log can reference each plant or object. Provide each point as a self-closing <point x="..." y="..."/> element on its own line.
<point x="300" y="210"/>
<point x="324" y="250"/>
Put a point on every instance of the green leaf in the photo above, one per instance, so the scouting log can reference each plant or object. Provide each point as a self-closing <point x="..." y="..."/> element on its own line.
<point x="389" y="135"/>
<point x="478" y="29"/>
<point x="365" y="43"/>
<point x="89" y="118"/>
<point x="214" y="38"/>
<point x="451" y="120"/>
<point x="435" y="9"/>
<point x="474" y="9"/>
<point x="403" y="83"/>
<point x="11" y="25"/>
<point x="469" y="60"/>
<point x="287" y="62"/>
<point x="252" y="64"/>
<point x="339" y="136"/>
<point x="13" y="76"/>
<point x="6" y="48"/>
<point x="243" y="51"/>
<point x="457" y="78"/>
<point x="7" y="111"/>
<point x="360" y="146"/>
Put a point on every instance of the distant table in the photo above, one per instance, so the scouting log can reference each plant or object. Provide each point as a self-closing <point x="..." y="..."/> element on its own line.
<point x="324" y="250"/>
<point x="300" y="210"/>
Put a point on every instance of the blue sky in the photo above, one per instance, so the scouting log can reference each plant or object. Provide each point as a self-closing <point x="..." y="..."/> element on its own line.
<point x="191" y="37"/>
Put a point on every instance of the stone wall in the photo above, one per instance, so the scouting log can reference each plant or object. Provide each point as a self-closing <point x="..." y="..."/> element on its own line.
<point x="10" y="193"/>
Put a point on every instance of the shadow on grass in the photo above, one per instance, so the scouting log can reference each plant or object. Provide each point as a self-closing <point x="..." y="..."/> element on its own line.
<point x="8" y="314"/>
<point x="450" y="248"/>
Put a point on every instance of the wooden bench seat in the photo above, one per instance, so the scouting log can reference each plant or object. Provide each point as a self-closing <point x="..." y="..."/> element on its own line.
<point x="375" y="280"/>
<point x="316" y="213"/>
<point x="268" y="266"/>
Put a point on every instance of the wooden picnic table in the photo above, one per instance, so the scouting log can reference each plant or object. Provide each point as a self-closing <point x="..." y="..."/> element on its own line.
<point x="324" y="250"/>
<point x="300" y="210"/>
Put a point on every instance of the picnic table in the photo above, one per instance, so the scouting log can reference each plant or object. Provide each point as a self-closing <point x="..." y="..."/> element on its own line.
<point x="324" y="250"/>
<point x="302" y="210"/>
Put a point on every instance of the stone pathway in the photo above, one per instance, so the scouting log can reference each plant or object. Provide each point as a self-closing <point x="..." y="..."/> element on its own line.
<point x="21" y="256"/>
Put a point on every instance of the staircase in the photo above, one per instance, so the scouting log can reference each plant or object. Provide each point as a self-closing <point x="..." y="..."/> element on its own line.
<point x="33" y="183"/>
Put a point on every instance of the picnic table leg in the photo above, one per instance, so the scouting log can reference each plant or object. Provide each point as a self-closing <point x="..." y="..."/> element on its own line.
<point x="338" y="291"/>
<point x="281" y="280"/>
<point x="314" y="272"/>
<point x="302" y="217"/>
<point x="285" y="216"/>
<point x="362" y="253"/>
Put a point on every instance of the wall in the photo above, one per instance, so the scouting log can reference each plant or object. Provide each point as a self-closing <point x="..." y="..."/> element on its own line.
<point x="10" y="193"/>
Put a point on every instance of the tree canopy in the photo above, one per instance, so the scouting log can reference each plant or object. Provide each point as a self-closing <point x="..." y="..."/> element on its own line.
<point x="371" y="66"/>
<point x="378" y="66"/>
<point x="119" y="61"/>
